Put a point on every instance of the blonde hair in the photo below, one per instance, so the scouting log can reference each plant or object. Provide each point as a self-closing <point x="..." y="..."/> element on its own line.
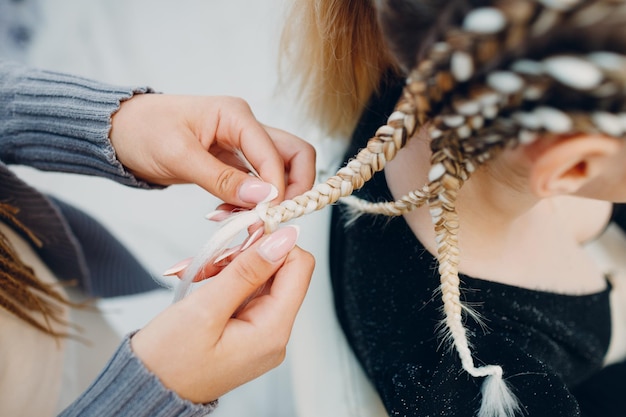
<point x="333" y="50"/>
<point x="492" y="77"/>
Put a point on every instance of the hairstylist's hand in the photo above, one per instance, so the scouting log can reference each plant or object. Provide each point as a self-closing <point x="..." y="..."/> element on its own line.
<point x="199" y="349"/>
<point x="168" y="139"/>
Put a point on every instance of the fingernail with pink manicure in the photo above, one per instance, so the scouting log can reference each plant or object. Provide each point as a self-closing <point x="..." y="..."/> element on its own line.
<point x="252" y="238"/>
<point x="175" y="269"/>
<point x="256" y="191"/>
<point x="226" y="254"/>
<point x="218" y="215"/>
<point x="277" y="245"/>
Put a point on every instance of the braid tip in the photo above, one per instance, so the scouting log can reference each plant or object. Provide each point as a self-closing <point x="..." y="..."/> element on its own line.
<point x="497" y="398"/>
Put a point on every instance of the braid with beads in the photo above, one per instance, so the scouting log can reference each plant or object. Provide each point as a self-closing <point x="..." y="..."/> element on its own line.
<point x="493" y="75"/>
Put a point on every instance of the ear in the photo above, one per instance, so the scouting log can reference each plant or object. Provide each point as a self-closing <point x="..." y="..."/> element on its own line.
<point x="565" y="165"/>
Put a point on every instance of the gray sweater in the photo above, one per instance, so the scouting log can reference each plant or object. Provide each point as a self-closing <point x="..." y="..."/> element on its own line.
<point x="59" y="122"/>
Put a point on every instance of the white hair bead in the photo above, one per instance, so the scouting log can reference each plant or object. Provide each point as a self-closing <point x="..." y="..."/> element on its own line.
<point x="490" y="98"/>
<point x="526" y="137"/>
<point x="485" y="20"/>
<point x="505" y="82"/>
<point x="533" y="93"/>
<point x="561" y="5"/>
<point x="608" y="123"/>
<point x="436" y="172"/>
<point x="609" y="61"/>
<point x="464" y="132"/>
<point x="454" y="120"/>
<point x="477" y="122"/>
<point x="528" y="120"/>
<point x="467" y="108"/>
<point x="490" y="112"/>
<point x="435" y="133"/>
<point x="527" y="66"/>
<point x="554" y="120"/>
<point x="622" y="118"/>
<point x="574" y="72"/>
<point x="441" y="47"/>
<point x="461" y="66"/>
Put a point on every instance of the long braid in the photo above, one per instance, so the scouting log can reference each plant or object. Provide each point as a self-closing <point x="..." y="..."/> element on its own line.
<point x="380" y="149"/>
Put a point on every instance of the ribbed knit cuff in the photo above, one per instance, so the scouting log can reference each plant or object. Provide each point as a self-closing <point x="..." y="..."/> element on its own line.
<point x="126" y="388"/>
<point x="60" y="122"/>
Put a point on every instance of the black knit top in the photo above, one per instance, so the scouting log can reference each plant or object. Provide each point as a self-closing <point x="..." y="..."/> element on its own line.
<point x="550" y="346"/>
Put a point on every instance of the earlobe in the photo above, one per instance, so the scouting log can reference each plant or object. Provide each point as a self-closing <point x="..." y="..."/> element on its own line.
<point x="568" y="164"/>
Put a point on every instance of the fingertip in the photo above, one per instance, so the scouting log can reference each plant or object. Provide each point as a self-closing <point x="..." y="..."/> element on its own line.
<point x="178" y="268"/>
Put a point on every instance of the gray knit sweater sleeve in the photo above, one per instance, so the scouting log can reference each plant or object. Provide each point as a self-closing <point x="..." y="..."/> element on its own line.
<point x="126" y="388"/>
<point x="59" y="122"/>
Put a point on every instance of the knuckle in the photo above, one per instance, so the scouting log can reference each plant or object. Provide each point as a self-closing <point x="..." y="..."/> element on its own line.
<point x="310" y="150"/>
<point x="247" y="272"/>
<point x="226" y="182"/>
<point x="276" y="353"/>
<point x="305" y="260"/>
<point x="279" y="356"/>
<point x="240" y="103"/>
<point x="309" y="259"/>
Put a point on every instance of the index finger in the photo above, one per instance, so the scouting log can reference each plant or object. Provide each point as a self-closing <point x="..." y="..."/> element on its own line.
<point x="299" y="160"/>
<point x="241" y="130"/>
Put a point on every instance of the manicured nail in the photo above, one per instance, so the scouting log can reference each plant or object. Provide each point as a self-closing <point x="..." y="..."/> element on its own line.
<point x="226" y="254"/>
<point x="277" y="245"/>
<point x="218" y="215"/>
<point x="257" y="191"/>
<point x="252" y="238"/>
<point x="175" y="269"/>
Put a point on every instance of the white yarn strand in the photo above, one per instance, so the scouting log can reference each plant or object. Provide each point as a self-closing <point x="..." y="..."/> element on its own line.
<point x="228" y="230"/>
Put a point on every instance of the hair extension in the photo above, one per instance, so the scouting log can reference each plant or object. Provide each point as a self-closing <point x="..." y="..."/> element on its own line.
<point x="493" y="76"/>
<point x="21" y="292"/>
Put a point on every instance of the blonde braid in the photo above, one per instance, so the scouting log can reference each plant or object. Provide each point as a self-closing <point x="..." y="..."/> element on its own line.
<point x="380" y="149"/>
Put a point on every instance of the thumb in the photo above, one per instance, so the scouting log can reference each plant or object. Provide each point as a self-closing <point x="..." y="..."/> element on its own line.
<point x="246" y="273"/>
